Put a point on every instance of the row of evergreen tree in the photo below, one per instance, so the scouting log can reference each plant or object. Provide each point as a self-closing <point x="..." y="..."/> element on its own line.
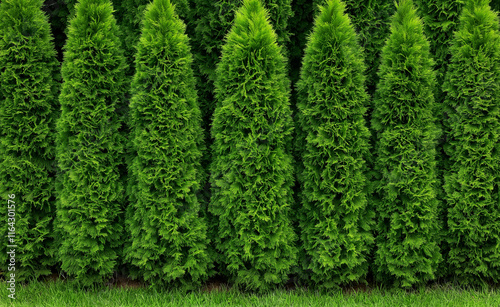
<point x="373" y="159"/>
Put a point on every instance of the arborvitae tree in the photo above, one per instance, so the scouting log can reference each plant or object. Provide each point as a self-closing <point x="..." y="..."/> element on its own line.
<point x="252" y="168"/>
<point x="472" y="184"/>
<point x="404" y="121"/>
<point x="90" y="146"/>
<point x="334" y="225"/>
<point x="131" y="13"/>
<point x="211" y="21"/>
<point x="28" y="110"/>
<point x="369" y="18"/>
<point x="168" y="237"/>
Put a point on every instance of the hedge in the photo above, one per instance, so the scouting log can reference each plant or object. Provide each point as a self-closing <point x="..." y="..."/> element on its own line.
<point x="335" y="227"/>
<point x="472" y="89"/>
<point x="90" y="145"/>
<point x="168" y="239"/>
<point x="28" y="110"/>
<point x="404" y="122"/>
<point x="252" y="167"/>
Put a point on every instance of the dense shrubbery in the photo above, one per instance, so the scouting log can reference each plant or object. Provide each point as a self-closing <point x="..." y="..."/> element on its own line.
<point x="335" y="228"/>
<point x="211" y="21"/>
<point x="28" y="110"/>
<point x="252" y="167"/>
<point x="90" y="147"/>
<point x="369" y="18"/>
<point x="131" y="15"/>
<point x="403" y="118"/>
<point x="472" y="182"/>
<point x="431" y="179"/>
<point x="440" y="22"/>
<point x="168" y="238"/>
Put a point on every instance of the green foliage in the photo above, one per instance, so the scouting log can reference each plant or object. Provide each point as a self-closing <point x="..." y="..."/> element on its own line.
<point x="472" y="89"/>
<point x="168" y="241"/>
<point x="369" y="18"/>
<point x="440" y="21"/>
<point x="371" y="21"/>
<point x="335" y="227"/>
<point x="28" y="109"/>
<point x="252" y="168"/>
<point x="404" y="120"/>
<point x="70" y="8"/>
<point x="90" y="145"/>
<point x="211" y="21"/>
<point x="131" y="14"/>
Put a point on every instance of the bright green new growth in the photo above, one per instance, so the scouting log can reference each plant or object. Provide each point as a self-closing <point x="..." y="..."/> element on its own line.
<point x="472" y="89"/>
<point x="90" y="146"/>
<point x="369" y="19"/>
<point x="252" y="168"/>
<point x="131" y="15"/>
<point x="211" y="21"/>
<point x="335" y="229"/>
<point x="403" y="118"/>
<point x="28" y="109"/>
<point x="168" y="238"/>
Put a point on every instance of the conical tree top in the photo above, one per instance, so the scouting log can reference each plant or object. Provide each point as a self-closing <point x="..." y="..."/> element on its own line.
<point x="478" y="24"/>
<point x="333" y="18"/>
<point x="20" y="17"/>
<point x="333" y="26"/>
<point x="160" y="22"/>
<point x="406" y="17"/>
<point x="93" y="19"/>
<point x="252" y="28"/>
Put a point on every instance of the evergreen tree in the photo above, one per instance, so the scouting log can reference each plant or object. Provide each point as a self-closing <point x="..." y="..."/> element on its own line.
<point x="90" y="145"/>
<point x="369" y="18"/>
<point x="168" y="238"/>
<point x="252" y="168"/>
<point x="211" y="21"/>
<point x="472" y="184"/>
<point x="28" y="109"/>
<point x="404" y="121"/>
<point x="335" y="227"/>
<point x="131" y="13"/>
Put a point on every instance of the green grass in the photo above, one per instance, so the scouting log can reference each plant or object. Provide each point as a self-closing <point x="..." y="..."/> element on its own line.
<point x="64" y="294"/>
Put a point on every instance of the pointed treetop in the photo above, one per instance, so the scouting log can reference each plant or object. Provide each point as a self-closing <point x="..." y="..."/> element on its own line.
<point x="91" y="18"/>
<point x="22" y="18"/>
<point x="161" y="23"/>
<point x="333" y="23"/>
<point x="252" y="27"/>
<point x="406" y="16"/>
<point x="478" y="22"/>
